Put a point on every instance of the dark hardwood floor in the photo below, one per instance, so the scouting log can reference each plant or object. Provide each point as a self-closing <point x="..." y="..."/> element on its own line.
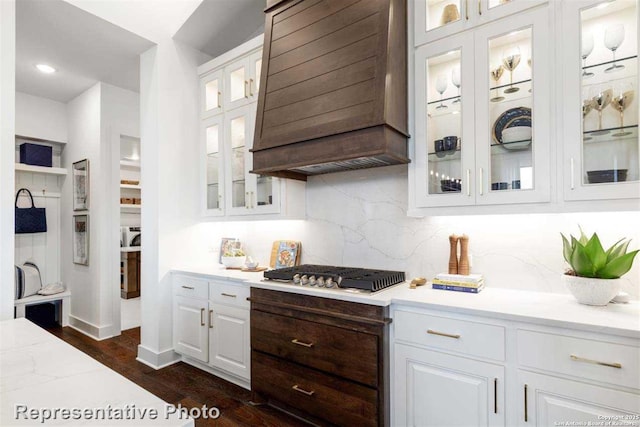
<point x="179" y="383"/>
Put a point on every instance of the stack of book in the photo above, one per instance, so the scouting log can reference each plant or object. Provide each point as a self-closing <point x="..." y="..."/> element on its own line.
<point x="472" y="283"/>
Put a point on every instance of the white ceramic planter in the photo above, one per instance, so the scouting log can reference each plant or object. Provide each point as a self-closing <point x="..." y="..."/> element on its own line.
<point x="591" y="291"/>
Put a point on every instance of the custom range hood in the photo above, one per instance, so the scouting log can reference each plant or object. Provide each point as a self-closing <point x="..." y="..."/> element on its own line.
<point x="333" y="87"/>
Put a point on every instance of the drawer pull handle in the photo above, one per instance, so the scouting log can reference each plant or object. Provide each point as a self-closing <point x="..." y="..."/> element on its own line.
<point x="442" y="334"/>
<point x="303" y="391"/>
<point x="210" y="319"/>
<point x="526" y="405"/>
<point x="202" y="317"/>
<point x="304" y="344"/>
<point x="228" y="295"/>
<point x="187" y="287"/>
<point x="495" y="395"/>
<point x="595" y="362"/>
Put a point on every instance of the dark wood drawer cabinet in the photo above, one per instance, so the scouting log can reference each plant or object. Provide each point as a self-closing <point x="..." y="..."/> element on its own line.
<point x="323" y="359"/>
<point x="324" y="396"/>
<point x="319" y="346"/>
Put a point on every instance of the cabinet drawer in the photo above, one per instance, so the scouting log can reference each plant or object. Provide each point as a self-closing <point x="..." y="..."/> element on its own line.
<point x="596" y="360"/>
<point x="324" y="396"/>
<point x="225" y="293"/>
<point x="346" y="353"/>
<point x="477" y="339"/>
<point x="189" y="287"/>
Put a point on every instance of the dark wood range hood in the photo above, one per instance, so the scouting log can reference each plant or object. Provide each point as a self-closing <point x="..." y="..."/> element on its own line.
<point x="333" y="87"/>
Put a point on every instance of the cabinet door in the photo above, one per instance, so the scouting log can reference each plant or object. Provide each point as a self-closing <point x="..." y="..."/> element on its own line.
<point x="238" y="131"/>
<point x="229" y="345"/>
<point x="254" y="62"/>
<point x="600" y="100"/>
<point x="513" y="103"/>
<point x="237" y="76"/>
<point x="436" y="389"/>
<point x="547" y="401"/>
<point x="434" y="20"/>
<point x="444" y="150"/>
<point x="190" y="336"/>
<point x="211" y="94"/>
<point x="490" y="10"/>
<point x="212" y="167"/>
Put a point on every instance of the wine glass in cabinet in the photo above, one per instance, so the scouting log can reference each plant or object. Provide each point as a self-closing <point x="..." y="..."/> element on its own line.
<point x="601" y="148"/>
<point x="444" y="122"/>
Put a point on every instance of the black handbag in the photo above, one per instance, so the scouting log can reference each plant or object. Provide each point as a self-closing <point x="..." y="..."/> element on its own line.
<point x="30" y="220"/>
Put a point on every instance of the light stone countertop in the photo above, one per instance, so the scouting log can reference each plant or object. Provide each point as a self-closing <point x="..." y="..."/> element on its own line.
<point x="558" y="310"/>
<point x="40" y="370"/>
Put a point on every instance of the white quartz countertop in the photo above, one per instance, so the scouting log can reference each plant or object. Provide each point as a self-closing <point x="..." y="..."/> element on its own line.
<point x="558" y="310"/>
<point x="130" y="249"/>
<point x="38" y="370"/>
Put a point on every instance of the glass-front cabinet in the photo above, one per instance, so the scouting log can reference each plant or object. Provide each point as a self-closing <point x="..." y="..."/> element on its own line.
<point x="601" y="158"/>
<point x="482" y="115"/>
<point x="436" y="19"/>
<point x="213" y="137"/>
<point x="242" y="81"/>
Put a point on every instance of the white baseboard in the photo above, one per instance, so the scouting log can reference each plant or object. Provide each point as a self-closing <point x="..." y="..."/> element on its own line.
<point x="242" y="382"/>
<point x="157" y="360"/>
<point x="98" y="333"/>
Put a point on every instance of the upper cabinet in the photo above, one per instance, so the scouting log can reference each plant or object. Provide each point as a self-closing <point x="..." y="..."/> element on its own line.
<point x="482" y="132"/>
<point x="228" y="97"/>
<point x="333" y="92"/>
<point x="435" y="19"/>
<point x="600" y="99"/>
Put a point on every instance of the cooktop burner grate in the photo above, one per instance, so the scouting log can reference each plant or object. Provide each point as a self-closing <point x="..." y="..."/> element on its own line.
<point x="344" y="277"/>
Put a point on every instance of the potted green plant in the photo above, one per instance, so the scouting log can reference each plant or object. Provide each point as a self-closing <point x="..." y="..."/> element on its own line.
<point x="594" y="277"/>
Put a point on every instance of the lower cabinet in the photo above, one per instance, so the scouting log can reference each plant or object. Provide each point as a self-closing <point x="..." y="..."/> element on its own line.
<point x="212" y="327"/>
<point x="437" y="389"/>
<point x="190" y="334"/>
<point x="549" y="401"/>
<point x="229" y="345"/>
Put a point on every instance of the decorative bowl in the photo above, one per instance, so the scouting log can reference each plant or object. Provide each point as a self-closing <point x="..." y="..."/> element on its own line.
<point x="609" y="175"/>
<point x="233" y="261"/>
<point x="516" y="133"/>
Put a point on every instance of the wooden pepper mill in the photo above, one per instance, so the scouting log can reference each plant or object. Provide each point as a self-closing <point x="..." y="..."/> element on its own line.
<point x="453" y="254"/>
<point x="463" y="264"/>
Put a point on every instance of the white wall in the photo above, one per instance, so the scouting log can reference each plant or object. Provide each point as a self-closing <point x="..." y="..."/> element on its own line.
<point x="41" y="118"/>
<point x="359" y="219"/>
<point x="84" y="143"/>
<point x="96" y="119"/>
<point x="7" y="153"/>
<point x="169" y="146"/>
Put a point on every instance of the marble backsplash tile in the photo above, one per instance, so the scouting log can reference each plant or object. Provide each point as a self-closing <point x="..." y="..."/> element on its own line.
<point x="359" y="218"/>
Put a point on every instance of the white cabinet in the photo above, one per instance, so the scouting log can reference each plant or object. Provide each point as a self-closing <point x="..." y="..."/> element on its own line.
<point x="229" y="345"/>
<point x="437" y="389"/>
<point x="482" y="115"/>
<point x="461" y="369"/>
<point x="547" y="401"/>
<point x="600" y="93"/>
<point x="211" y="326"/>
<point x="436" y="19"/>
<point x="190" y="334"/>
<point x="229" y="88"/>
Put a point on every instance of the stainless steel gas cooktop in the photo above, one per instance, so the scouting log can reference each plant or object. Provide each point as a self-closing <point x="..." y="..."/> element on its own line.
<point x="324" y="276"/>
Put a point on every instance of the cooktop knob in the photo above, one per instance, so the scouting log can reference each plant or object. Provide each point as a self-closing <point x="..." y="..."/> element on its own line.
<point x="328" y="283"/>
<point x="312" y="280"/>
<point x="304" y="280"/>
<point x="296" y="279"/>
<point x="320" y="282"/>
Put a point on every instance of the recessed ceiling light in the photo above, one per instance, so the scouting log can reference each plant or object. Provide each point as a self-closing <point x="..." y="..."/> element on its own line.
<point x="46" y="69"/>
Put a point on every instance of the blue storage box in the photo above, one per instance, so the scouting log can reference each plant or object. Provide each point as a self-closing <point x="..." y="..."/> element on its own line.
<point x="35" y="154"/>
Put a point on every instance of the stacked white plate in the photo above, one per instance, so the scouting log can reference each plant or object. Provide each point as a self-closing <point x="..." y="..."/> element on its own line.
<point x="516" y="138"/>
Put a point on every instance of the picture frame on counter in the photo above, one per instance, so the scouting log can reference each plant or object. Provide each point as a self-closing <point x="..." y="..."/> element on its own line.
<point x="81" y="239"/>
<point x="228" y="244"/>
<point x="80" y="172"/>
